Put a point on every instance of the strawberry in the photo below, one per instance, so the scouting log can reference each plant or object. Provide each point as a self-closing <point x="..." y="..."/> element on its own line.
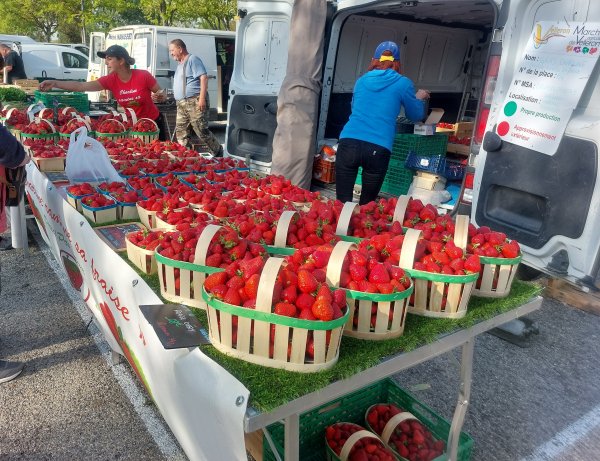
<point x="339" y="297"/>
<point x="235" y="282"/>
<point x="358" y="273"/>
<point x="286" y="309"/>
<point x="251" y="266"/>
<point x="367" y="287"/>
<point x="232" y="296"/>
<point x="511" y="249"/>
<point x="379" y="274"/>
<point x="251" y="286"/>
<point x="307" y="283"/>
<point x="212" y="280"/>
<point x="305" y="301"/>
<point x="322" y="309"/>
<point x="307" y="314"/>
<point x="325" y="292"/>
<point x="472" y="264"/>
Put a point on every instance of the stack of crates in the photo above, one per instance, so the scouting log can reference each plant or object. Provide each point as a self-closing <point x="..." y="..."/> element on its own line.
<point x="398" y="177"/>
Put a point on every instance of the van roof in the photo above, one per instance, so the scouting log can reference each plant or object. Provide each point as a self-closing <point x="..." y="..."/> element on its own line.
<point x="7" y="38"/>
<point x="218" y="33"/>
<point x="25" y="47"/>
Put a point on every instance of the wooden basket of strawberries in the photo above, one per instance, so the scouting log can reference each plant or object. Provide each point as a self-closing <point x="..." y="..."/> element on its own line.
<point x="403" y="433"/>
<point x="441" y="294"/>
<point x="349" y="442"/>
<point x="377" y="307"/>
<point x="141" y="246"/>
<point x="145" y="129"/>
<point x="500" y="258"/>
<point x="276" y="327"/>
<point x="182" y="265"/>
<point x="38" y="129"/>
<point x="111" y="129"/>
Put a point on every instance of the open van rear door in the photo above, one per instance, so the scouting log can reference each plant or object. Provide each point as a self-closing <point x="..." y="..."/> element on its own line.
<point x="260" y="66"/>
<point x="535" y="181"/>
<point x="95" y="64"/>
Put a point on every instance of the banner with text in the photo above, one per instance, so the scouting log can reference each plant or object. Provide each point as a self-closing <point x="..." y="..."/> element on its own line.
<point x="547" y="84"/>
<point x="201" y="402"/>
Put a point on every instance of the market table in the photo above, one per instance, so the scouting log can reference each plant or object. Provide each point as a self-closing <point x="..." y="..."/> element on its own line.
<point x="209" y="399"/>
<point x="463" y="338"/>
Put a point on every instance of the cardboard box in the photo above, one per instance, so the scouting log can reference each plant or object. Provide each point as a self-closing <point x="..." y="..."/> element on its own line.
<point x="428" y="127"/>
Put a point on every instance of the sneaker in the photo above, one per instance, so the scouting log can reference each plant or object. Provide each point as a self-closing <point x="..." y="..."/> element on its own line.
<point x="10" y="370"/>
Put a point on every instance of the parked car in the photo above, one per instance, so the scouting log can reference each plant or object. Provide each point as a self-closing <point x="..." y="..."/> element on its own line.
<point x="53" y="61"/>
<point x="81" y="47"/>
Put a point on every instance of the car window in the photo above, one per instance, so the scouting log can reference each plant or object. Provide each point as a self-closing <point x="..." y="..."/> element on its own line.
<point x="74" y="61"/>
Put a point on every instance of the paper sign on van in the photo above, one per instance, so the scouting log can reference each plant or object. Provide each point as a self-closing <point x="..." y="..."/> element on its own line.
<point x="547" y="84"/>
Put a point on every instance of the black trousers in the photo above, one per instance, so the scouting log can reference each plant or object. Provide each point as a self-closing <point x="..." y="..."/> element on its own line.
<point x="353" y="153"/>
<point x="162" y="126"/>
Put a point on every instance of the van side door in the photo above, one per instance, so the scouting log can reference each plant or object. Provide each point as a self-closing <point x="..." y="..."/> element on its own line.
<point x="95" y="63"/>
<point x="75" y="65"/>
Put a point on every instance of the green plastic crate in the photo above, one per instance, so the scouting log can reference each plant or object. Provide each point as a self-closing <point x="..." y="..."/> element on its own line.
<point x="351" y="408"/>
<point x="78" y="101"/>
<point x="398" y="178"/>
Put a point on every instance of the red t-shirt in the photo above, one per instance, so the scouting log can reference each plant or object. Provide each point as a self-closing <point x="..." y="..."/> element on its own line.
<point x="135" y="93"/>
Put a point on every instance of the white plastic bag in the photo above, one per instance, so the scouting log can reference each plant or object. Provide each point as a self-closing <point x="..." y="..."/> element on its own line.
<point x="87" y="160"/>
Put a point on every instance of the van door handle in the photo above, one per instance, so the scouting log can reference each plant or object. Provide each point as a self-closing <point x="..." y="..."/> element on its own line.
<point x="248" y="109"/>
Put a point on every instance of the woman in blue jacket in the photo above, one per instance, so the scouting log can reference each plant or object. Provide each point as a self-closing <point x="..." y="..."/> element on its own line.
<point x="367" y="137"/>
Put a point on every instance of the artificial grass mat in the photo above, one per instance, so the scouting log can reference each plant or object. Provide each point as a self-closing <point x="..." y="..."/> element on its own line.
<point x="270" y="388"/>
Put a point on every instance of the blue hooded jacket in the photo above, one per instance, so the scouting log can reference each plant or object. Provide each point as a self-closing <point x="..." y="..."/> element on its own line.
<point x="378" y="97"/>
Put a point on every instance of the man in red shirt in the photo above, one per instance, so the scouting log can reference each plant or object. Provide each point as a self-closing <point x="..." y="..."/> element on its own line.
<point x="132" y="88"/>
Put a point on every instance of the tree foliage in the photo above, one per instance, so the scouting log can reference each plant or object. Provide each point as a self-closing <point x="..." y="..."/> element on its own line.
<point x="69" y="20"/>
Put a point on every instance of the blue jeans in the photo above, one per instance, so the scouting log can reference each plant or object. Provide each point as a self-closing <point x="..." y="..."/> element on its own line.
<point x="353" y="153"/>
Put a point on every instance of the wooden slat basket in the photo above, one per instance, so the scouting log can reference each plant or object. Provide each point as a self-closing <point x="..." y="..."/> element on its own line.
<point x="350" y="442"/>
<point x="143" y="259"/>
<point x="191" y="275"/>
<point x="391" y="308"/>
<point x="496" y="276"/>
<point x="250" y="340"/>
<point x="438" y="295"/>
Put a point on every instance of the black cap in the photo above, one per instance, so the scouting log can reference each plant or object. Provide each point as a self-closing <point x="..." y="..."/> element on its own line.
<point x="116" y="51"/>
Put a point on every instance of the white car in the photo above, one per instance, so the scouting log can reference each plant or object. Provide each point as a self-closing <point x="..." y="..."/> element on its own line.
<point x="53" y="61"/>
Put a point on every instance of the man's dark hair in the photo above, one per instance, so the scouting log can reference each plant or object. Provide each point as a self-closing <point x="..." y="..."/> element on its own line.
<point x="4" y="45"/>
<point x="178" y="42"/>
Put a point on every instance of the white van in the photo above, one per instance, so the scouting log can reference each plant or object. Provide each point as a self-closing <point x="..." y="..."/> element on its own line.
<point x="9" y="39"/>
<point x="468" y="54"/>
<point x="52" y="61"/>
<point x="149" y="45"/>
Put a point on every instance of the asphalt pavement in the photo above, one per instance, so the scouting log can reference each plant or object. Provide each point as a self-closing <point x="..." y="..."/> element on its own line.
<point x="536" y="403"/>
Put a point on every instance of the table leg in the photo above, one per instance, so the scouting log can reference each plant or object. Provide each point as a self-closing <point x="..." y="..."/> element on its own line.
<point x="292" y="438"/>
<point x="466" y="373"/>
<point x="18" y="227"/>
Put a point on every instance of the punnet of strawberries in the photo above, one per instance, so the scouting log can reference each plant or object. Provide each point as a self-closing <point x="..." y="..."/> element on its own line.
<point x="97" y="201"/>
<point x="365" y="449"/>
<point x="411" y="439"/>
<point x="39" y="127"/>
<point x="125" y="196"/>
<point x="111" y="126"/>
<point x="79" y="190"/>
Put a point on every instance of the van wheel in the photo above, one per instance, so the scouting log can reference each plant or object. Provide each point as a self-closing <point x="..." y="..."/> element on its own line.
<point x="527" y="273"/>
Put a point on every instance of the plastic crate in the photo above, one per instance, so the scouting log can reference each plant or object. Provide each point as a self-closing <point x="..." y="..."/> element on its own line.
<point x="78" y="101"/>
<point x="351" y="408"/>
<point x="434" y="164"/>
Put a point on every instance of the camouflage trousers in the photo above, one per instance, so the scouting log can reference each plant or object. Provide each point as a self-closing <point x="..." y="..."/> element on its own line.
<point x="189" y="118"/>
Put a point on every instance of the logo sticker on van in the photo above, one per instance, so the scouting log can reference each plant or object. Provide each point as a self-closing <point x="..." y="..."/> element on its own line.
<point x="540" y="38"/>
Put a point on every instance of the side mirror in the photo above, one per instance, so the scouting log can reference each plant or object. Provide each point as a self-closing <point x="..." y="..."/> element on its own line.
<point x="492" y="142"/>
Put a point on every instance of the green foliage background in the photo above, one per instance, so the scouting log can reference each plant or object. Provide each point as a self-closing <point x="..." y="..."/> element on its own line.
<point x="71" y="21"/>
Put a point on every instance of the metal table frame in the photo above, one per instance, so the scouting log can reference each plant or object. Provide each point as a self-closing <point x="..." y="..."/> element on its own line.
<point x="290" y="412"/>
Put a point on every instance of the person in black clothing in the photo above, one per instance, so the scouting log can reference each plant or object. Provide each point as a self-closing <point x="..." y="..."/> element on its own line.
<point x="13" y="63"/>
<point x="12" y="155"/>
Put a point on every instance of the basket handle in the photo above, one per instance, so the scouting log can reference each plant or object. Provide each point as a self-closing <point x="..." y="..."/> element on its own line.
<point x="409" y="247"/>
<point x="204" y="240"/>
<point x="132" y="115"/>
<point x="9" y="112"/>
<point x="461" y="231"/>
<point x="41" y="113"/>
<point x="351" y="441"/>
<point x="336" y="261"/>
<point x="264" y="297"/>
<point x="65" y="110"/>
<point x="393" y="422"/>
<point x="283" y="224"/>
<point x="345" y="216"/>
<point x="400" y="209"/>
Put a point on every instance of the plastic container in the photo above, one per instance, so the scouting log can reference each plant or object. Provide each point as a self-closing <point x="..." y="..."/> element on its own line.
<point x="352" y="408"/>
